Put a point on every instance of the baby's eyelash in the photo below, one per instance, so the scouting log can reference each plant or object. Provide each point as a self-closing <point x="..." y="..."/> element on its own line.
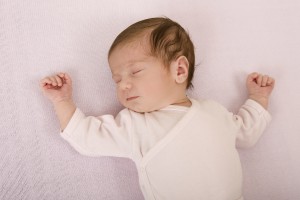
<point x="136" y="71"/>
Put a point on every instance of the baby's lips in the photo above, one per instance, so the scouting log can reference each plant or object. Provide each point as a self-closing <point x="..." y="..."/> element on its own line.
<point x="132" y="98"/>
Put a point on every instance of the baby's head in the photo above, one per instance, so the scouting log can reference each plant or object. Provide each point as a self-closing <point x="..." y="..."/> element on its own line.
<point x="152" y="62"/>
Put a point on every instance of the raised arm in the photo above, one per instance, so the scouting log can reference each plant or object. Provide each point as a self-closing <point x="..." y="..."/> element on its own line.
<point x="260" y="87"/>
<point x="253" y="117"/>
<point x="58" y="89"/>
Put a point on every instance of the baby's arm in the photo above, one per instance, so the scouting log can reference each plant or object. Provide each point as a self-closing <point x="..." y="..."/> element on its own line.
<point x="260" y="88"/>
<point x="92" y="136"/>
<point x="58" y="89"/>
<point x="252" y="119"/>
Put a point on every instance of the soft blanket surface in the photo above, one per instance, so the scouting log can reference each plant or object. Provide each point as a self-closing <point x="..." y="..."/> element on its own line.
<point x="232" y="38"/>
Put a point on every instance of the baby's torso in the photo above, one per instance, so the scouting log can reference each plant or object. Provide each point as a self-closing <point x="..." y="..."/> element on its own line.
<point x="152" y="127"/>
<point x="186" y="154"/>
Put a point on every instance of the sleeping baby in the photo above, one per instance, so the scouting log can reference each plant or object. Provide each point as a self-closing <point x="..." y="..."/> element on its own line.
<point x="183" y="148"/>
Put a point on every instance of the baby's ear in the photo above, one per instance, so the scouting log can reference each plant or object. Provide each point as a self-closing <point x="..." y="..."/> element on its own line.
<point x="180" y="69"/>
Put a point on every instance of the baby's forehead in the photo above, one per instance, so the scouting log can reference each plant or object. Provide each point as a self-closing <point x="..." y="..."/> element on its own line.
<point x="130" y="51"/>
<point x="126" y="57"/>
<point x="141" y="43"/>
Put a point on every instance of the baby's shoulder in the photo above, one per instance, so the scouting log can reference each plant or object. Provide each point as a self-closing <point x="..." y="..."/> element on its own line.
<point x="129" y="114"/>
<point x="209" y="105"/>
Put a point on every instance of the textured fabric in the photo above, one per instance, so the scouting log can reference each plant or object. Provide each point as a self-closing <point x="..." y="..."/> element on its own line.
<point x="232" y="38"/>
<point x="197" y="157"/>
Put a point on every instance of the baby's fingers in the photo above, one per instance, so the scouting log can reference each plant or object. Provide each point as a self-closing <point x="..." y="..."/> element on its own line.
<point x="45" y="81"/>
<point x="66" y="78"/>
<point x="270" y="81"/>
<point x="252" y="76"/>
<point x="51" y="81"/>
<point x="59" y="80"/>
<point x="54" y="81"/>
<point x="259" y="79"/>
<point x="264" y="81"/>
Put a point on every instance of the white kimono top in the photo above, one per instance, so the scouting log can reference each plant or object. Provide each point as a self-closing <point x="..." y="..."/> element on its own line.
<point x="181" y="153"/>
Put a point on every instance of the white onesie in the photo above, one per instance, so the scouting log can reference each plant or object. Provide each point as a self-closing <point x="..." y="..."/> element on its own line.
<point x="180" y="153"/>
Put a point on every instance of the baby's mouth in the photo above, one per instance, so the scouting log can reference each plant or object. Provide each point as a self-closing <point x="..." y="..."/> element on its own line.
<point x="131" y="98"/>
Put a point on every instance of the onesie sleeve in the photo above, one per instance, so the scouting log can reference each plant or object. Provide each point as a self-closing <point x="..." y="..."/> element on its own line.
<point x="100" y="136"/>
<point x="251" y="120"/>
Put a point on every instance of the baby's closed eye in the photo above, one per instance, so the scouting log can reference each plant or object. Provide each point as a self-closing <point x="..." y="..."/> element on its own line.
<point x="137" y="71"/>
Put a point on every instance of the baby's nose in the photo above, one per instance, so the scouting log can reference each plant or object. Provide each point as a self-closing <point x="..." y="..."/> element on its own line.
<point x="125" y="85"/>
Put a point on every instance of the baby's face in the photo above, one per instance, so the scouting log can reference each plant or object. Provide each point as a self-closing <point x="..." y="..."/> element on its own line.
<point x="143" y="82"/>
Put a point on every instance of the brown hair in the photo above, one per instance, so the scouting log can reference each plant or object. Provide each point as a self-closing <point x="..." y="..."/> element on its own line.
<point x="168" y="41"/>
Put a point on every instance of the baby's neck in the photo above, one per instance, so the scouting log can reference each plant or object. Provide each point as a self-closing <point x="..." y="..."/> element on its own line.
<point x="183" y="102"/>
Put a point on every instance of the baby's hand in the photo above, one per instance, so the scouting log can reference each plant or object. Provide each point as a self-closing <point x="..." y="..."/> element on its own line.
<point x="57" y="88"/>
<point x="260" y="87"/>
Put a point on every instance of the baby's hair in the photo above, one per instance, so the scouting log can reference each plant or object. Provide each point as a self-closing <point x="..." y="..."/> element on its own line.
<point x="168" y="41"/>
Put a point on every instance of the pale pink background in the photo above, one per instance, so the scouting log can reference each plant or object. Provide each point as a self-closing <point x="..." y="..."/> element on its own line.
<point x="232" y="39"/>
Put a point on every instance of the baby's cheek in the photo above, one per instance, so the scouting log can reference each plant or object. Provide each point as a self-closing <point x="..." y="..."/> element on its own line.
<point x="119" y="96"/>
